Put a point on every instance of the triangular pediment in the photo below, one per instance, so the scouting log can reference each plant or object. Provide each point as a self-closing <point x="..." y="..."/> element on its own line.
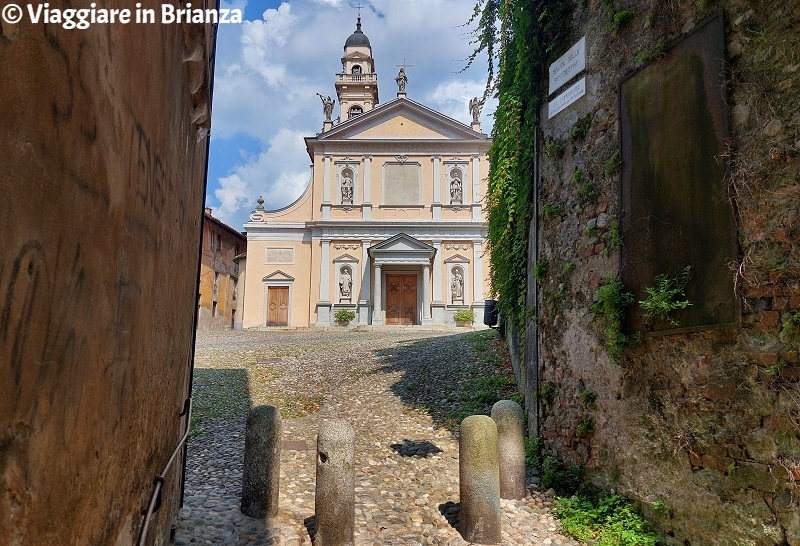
<point x="345" y="258"/>
<point x="401" y="243"/>
<point x="278" y="276"/>
<point x="457" y="258"/>
<point x="402" y="119"/>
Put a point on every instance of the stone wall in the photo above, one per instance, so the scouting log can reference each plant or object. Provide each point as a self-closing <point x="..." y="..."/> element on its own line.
<point x="103" y="146"/>
<point x="702" y="428"/>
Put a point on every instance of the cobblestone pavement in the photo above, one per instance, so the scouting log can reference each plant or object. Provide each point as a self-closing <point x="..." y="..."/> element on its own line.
<point x="406" y="460"/>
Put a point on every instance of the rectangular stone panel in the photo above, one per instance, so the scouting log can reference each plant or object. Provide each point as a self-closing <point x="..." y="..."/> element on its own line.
<point x="280" y="255"/>
<point x="402" y="184"/>
<point x="675" y="206"/>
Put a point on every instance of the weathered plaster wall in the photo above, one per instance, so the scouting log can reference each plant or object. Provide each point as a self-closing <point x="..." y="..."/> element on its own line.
<point x="703" y="429"/>
<point x="103" y="163"/>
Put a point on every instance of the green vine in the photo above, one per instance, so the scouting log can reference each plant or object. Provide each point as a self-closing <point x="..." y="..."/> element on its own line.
<point x="522" y="37"/>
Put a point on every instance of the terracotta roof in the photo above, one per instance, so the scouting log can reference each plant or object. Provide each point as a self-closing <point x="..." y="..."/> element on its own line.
<point x="226" y="226"/>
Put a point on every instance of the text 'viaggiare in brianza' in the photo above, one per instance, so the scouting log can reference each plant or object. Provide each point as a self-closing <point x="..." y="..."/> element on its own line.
<point x="83" y="18"/>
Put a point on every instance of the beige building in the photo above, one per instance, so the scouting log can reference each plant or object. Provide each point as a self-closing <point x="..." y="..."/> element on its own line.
<point x="219" y="274"/>
<point x="391" y="225"/>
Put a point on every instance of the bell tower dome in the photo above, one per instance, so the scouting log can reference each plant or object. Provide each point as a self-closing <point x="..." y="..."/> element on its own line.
<point x="357" y="83"/>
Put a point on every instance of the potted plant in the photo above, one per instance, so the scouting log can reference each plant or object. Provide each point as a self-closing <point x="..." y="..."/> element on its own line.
<point x="464" y="317"/>
<point x="344" y="316"/>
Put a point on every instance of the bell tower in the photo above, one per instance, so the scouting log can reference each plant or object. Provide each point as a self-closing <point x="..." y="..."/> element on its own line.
<point x="357" y="83"/>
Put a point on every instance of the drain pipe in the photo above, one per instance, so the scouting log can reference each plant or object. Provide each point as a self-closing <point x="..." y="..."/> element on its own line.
<point x="535" y="348"/>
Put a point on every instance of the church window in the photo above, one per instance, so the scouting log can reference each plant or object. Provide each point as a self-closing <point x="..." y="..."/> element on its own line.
<point x="356" y="69"/>
<point x="355" y="111"/>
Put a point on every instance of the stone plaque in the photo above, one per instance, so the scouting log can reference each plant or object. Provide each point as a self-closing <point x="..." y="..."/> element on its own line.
<point x="568" y="65"/>
<point x="566" y="98"/>
<point x="280" y="255"/>
<point x="402" y="184"/>
<point x="675" y="206"/>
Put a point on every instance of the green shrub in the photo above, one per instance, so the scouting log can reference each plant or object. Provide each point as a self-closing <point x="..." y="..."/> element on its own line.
<point x="665" y="296"/>
<point x="588" y="397"/>
<point x="552" y="209"/>
<point x="565" y="481"/>
<point x="553" y="148"/>
<point x="585" y="426"/>
<point x="608" y="521"/>
<point x="540" y="270"/>
<point x="581" y="127"/>
<point x="619" y="19"/>
<point x="464" y="315"/>
<point x="344" y="316"/>
<point x="549" y="392"/>
<point x="612" y="300"/>
<point x="614" y="234"/>
<point x="790" y="328"/>
<point x="612" y="164"/>
<point x="533" y="459"/>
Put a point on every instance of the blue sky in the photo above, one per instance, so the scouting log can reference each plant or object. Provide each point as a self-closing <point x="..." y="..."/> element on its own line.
<point x="270" y="68"/>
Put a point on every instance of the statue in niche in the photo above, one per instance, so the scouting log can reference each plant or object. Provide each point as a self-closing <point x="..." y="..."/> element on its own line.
<point x="345" y="283"/>
<point x="327" y="106"/>
<point x="457" y="286"/>
<point x="347" y="188"/>
<point x="456" y="187"/>
<point x="475" y="107"/>
<point x="401" y="80"/>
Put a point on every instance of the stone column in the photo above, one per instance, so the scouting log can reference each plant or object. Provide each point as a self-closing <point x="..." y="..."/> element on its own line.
<point x="377" y="317"/>
<point x="334" y="503"/>
<point x="324" y="305"/>
<point x="477" y="280"/>
<point x="426" y="294"/>
<point x="363" y="298"/>
<point x="510" y="421"/>
<point x="476" y="187"/>
<point x="366" y="206"/>
<point x="437" y="188"/>
<point x="326" y="188"/>
<point x="262" y="463"/>
<point x="479" y="481"/>
<point x="437" y="306"/>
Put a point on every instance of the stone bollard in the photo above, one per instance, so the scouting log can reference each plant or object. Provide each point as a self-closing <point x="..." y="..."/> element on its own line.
<point x="510" y="421"/>
<point x="479" y="481"/>
<point x="262" y="462"/>
<point x="334" y="505"/>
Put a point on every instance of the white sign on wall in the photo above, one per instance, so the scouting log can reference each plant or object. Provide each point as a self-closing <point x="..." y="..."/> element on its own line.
<point x="566" y="98"/>
<point x="568" y="65"/>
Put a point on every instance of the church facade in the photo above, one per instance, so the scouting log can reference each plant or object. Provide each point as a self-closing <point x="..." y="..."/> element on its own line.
<point x="391" y="225"/>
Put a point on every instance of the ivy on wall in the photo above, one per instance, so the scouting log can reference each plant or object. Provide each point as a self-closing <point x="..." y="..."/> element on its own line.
<point x="521" y="37"/>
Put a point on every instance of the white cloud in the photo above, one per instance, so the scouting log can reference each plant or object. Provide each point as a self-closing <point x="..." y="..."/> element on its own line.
<point x="232" y="194"/>
<point x="452" y="98"/>
<point x="279" y="173"/>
